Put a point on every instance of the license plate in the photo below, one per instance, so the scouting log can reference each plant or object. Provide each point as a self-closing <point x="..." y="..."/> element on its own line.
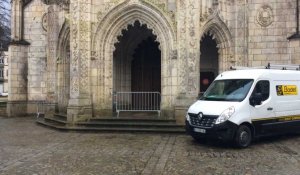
<point x="200" y="130"/>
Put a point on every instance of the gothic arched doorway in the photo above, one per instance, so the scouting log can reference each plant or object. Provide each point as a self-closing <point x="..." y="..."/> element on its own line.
<point x="137" y="63"/>
<point x="114" y="43"/>
<point x="145" y="67"/>
<point x="209" y="64"/>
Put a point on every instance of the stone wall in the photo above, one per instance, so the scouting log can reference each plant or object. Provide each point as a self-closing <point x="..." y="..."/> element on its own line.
<point x="17" y="82"/>
<point x="35" y="34"/>
<point x="295" y="51"/>
<point x="247" y="33"/>
<point x="270" y="24"/>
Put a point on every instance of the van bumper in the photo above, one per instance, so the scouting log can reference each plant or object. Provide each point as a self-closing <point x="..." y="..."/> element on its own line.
<point x="224" y="131"/>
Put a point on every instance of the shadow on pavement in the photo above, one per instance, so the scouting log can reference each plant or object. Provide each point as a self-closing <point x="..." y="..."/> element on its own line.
<point x="214" y="143"/>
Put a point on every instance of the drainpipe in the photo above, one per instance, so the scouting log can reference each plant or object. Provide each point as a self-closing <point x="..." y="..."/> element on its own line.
<point x="296" y="35"/>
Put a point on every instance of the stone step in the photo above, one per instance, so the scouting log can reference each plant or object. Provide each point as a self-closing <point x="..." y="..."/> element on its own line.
<point x="112" y="129"/>
<point x="136" y="124"/>
<point x="60" y="117"/>
<point x="130" y="129"/>
<point x="115" y="125"/>
<point x="55" y="121"/>
<point x="49" y="124"/>
<point x="133" y="120"/>
<point x="3" y="112"/>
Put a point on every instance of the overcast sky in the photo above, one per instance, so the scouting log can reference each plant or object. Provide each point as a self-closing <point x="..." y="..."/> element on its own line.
<point x="7" y="4"/>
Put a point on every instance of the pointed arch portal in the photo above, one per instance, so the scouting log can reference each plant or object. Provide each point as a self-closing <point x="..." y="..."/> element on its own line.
<point x="132" y="49"/>
<point x="215" y="52"/>
<point x="137" y="61"/>
<point x="209" y="64"/>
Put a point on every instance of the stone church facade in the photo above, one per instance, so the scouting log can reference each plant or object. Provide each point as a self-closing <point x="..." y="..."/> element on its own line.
<point x="75" y="54"/>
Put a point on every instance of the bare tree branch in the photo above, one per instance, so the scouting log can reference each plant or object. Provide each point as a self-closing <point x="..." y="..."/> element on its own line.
<point x="5" y="23"/>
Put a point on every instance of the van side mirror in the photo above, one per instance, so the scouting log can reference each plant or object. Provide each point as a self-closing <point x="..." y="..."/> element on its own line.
<point x="255" y="99"/>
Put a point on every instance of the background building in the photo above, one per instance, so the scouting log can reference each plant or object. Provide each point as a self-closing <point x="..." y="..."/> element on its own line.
<point x="4" y="74"/>
<point x="75" y="54"/>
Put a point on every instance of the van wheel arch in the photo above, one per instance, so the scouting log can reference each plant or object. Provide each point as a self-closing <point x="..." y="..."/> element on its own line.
<point x="243" y="135"/>
<point x="251" y="128"/>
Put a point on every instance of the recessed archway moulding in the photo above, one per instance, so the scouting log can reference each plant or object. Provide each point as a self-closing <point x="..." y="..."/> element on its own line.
<point x="62" y="3"/>
<point x="111" y="26"/>
<point x="125" y="14"/>
<point x="220" y="32"/>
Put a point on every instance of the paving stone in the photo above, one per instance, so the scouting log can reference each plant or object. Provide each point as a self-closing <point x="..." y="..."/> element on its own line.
<point x="27" y="148"/>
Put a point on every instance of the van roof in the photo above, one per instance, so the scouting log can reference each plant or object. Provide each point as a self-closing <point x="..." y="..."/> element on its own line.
<point x="260" y="73"/>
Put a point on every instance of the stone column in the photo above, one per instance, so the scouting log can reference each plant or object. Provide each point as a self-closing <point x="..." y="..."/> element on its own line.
<point x="52" y="38"/>
<point x="80" y="37"/>
<point x="18" y="64"/>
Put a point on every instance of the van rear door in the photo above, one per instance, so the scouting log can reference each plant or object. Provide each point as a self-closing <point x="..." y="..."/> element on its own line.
<point x="288" y="106"/>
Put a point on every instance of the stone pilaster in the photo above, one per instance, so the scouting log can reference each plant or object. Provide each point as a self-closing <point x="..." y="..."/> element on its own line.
<point x="52" y="40"/>
<point x="17" y="80"/>
<point x="18" y="64"/>
<point x="241" y="35"/>
<point x="188" y="67"/>
<point x="188" y="36"/>
<point x="80" y="27"/>
<point x="52" y="34"/>
<point x="34" y="33"/>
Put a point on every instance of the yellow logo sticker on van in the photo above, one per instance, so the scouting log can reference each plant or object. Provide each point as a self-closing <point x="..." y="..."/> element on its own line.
<point x="286" y="90"/>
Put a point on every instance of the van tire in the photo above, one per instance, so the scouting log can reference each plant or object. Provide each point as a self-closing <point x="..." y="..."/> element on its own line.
<point x="243" y="136"/>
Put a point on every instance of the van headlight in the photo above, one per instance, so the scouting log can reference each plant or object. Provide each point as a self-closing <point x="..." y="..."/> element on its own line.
<point x="226" y="114"/>
<point x="187" y="117"/>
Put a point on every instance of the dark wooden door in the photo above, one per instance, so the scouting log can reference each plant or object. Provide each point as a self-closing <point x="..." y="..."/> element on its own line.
<point x="146" y="68"/>
<point x="146" y="75"/>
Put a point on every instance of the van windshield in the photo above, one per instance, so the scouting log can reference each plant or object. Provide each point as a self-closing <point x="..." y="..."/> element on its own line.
<point x="228" y="90"/>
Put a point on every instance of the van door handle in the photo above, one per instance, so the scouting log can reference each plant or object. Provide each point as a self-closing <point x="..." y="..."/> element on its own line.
<point x="269" y="108"/>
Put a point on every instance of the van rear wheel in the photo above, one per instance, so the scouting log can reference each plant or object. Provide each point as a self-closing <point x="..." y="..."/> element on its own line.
<point x="243" y="136"/>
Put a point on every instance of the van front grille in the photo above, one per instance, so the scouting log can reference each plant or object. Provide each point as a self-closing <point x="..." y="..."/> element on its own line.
<point x="206" y="121"/>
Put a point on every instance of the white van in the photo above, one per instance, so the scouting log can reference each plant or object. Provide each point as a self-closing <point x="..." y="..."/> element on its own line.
<point x="243" y="104"/>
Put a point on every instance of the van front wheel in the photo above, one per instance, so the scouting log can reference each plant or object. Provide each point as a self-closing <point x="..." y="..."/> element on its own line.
<point x="243" y="136"/>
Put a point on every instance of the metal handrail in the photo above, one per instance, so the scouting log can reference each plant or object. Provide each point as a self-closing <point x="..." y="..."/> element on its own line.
<point x="40" y="110"/>
<point x="137" y="102"/>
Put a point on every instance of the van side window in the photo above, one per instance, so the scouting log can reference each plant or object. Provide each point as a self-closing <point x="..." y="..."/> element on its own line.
<point x="262" y="87"/>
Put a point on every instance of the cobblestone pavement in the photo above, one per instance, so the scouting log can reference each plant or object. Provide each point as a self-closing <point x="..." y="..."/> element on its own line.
<point x="30" y="149"/>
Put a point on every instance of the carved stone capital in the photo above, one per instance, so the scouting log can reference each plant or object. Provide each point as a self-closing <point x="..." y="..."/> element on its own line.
<point x="63" y="3"/>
